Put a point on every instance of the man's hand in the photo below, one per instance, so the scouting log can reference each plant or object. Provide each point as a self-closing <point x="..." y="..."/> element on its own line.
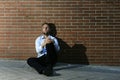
<point x="47" y="41"/>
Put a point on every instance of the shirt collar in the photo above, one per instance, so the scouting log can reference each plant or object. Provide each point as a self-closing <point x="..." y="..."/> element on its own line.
<point x="43" y="37"/>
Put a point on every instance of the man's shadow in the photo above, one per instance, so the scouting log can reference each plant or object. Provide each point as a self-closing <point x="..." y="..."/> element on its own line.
<point x="67" y="54"/>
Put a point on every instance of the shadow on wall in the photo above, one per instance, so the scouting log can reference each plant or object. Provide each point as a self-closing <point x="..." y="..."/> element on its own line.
<point x="75" y="54"/>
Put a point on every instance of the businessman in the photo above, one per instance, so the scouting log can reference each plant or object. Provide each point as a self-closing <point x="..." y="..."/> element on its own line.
<point x="47" y="48"/>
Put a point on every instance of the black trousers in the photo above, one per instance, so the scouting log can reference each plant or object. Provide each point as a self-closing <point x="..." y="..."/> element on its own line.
<point x="41" y="63"/>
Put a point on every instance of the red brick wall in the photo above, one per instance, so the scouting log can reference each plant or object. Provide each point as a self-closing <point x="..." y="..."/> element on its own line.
<point x="89" y="29"/>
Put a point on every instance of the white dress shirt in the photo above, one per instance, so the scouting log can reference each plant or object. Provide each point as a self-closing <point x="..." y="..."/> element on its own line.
<point x="42" y="51"/>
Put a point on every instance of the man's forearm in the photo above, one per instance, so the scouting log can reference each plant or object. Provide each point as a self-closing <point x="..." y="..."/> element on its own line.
<point x="43" y="44"/>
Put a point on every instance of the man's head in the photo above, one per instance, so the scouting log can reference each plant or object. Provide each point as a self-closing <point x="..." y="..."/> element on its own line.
<point x="45" y="28"/>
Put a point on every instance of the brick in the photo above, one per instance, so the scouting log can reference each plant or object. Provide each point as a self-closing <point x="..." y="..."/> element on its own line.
<point x="90" y="28"/>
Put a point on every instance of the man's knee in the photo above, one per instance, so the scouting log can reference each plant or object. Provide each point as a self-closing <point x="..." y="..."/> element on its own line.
<point x="49" y="44"/>
<point x="30" y="60"/>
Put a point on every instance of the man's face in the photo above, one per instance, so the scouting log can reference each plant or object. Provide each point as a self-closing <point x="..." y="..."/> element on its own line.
<point x="45" y="29"/>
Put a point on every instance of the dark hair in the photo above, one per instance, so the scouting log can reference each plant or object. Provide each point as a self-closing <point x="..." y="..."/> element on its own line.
<point x="46" y="24"/>
<point x="52" y="28"/>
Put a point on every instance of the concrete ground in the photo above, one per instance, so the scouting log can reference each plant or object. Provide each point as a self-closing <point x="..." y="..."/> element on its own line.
<point x="19" y="70"/>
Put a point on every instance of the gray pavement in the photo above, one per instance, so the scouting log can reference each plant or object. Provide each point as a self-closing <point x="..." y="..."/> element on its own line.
<point x="19" y="70"/>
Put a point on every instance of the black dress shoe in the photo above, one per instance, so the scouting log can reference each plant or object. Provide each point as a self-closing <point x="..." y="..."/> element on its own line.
<point x="48" y="71"/>
<point x="40" y="72"/>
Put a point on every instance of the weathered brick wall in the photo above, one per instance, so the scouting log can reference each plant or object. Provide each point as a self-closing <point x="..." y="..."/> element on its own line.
<point x="88" y="30"/>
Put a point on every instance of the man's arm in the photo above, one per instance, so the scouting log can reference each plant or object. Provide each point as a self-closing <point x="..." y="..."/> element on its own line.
<point x="56" y="44"/>
<point x="54" y="41"/>
<point x="38" y="46"/>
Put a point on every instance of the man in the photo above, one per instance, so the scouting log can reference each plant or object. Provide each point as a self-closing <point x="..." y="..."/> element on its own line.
<point x="47" y="48"/>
